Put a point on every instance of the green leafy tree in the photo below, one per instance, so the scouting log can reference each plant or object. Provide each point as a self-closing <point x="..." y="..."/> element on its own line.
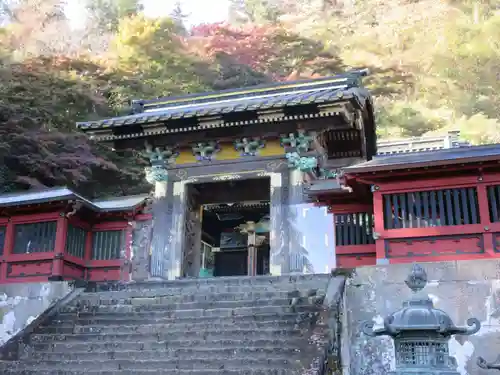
<point x="105" y="15"/>
<point x="151" y="51"/>
<point x="254" y="11"/>
<point x="39" y="146"/>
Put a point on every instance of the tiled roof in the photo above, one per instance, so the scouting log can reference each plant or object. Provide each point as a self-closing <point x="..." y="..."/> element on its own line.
<point x="63" y="193"/>
<point x="449" y="156"/>
<point x="257" y="98"/>
<point x="331" y="186"/>
<point x="34" y="197"/>
<point x="121" y="203"/>
<point x="420" y="144"/>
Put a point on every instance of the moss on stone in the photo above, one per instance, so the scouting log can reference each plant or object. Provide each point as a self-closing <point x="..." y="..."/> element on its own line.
<point x="347" y="272"/>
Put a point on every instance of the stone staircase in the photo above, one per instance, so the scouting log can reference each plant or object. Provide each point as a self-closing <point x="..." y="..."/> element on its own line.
<point x="232" y="326"/>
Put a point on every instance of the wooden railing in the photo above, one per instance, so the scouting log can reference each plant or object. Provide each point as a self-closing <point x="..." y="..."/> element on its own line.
<point x="431" y="208"/>
<point x="494" y="202"/>
<point x="454" y="218"/>
<point x="51" y="246"/>
<point x="354" y="243"/>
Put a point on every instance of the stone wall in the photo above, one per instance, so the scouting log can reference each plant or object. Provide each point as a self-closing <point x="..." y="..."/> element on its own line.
<point x="463" y="289"/>
<point x="21" y="304"/>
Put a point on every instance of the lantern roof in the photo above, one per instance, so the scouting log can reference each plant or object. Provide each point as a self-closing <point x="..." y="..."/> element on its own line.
<point x="418" y="315"/>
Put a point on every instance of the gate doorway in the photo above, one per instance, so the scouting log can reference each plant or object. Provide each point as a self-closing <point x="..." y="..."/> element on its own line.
<point x="233" y="229"/>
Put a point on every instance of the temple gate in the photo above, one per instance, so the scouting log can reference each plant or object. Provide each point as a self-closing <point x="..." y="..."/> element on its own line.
<point x="262" y="144"/>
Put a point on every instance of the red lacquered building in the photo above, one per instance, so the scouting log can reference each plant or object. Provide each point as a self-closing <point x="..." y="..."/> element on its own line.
<point x="56" y="234"/>
<point x="427" y="206"/>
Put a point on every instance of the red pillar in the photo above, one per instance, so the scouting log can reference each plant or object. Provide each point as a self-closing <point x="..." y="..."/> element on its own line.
<point x="378" y="226"/>
<point x="484" y="215"/>
<point x="7" y="250"/>
<point x="88" y="253"/>
<point x="58" y="262"/>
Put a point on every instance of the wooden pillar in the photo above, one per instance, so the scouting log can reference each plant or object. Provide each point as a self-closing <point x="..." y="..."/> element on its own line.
<point x="60" y="244"/>
<point x="252" y="250"/>
<point x="7" y="250"/>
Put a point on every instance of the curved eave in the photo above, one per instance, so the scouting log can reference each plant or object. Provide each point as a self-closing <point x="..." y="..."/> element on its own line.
<point x="61" y="196"/>
<point x="351" y="78"/>
<point x="150" y="121"/>
<point x="425" y="161"/>
<point x="327" y="187"/>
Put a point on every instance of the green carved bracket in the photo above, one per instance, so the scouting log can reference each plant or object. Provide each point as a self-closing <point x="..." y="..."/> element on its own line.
<point x="205" y="151"/>
<point x="304" y="164"/>
<point x="248" y="146"/>
<point x="300" y="141"/>
<point x="327" y="174"/>
<point x="160" y="156"/>
<point x="156" y="173"/>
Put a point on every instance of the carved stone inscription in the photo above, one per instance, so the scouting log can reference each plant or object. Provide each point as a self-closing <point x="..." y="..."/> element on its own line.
<point x="192" y="236"/>
<point x="162" y="233"/>
<point x="279" y="233"/>
<point x="141" y="244"/>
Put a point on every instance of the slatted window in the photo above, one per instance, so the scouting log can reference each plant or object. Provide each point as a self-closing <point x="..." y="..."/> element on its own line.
<point x="354" y="229"/>
<point x="342" y="143"/>
<point x="34" y="238"/>
<point x="107" y="245"/>
<point x="494" y="202"/>
<point x="431" y="208"/>
<point x="75" y="241"/>
<point x="2" y="239"/>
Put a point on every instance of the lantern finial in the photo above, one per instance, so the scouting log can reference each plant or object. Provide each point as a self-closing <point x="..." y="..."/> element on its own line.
<point x="417" y="279"/>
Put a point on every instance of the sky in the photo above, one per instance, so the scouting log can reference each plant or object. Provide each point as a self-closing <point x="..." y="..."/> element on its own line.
<point x="198" y="11"/>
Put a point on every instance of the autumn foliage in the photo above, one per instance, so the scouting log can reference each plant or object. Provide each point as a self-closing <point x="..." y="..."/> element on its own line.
<point x="432" y="71"/>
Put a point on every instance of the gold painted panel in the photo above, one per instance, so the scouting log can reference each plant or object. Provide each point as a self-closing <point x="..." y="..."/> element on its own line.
<point x="272" y="148"/>
<point x="228" y="152"/>
<point x="185" y="157"/>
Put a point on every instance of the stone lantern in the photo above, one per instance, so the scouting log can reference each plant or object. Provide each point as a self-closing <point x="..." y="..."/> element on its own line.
<point x="421" y="332"/>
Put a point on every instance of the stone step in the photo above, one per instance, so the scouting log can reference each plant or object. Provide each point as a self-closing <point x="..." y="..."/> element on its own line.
<point x="144" y="344"/>
<point x="164" y="364"/>
<point x="169" y="335"/>
<point x="149" y="304"/>
<point x="134" y="297"/>
<point x="197" y="313"/>
<point x="127" y="290"/>
<point x="225" y="281"/>
<point x="180" y="354"/>
<point x="10" y="370"/>
<point x="133" y="319"/>
<point x="220" y="326"/>
<point x="158" y="327"/>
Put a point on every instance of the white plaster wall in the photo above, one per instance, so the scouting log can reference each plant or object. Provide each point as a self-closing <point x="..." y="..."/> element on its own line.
<point x="20" y="304"/>
<point x="463" y="289"/>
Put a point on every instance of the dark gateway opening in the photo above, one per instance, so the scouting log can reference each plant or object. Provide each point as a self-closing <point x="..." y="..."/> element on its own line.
<point x="233" y="238"/>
